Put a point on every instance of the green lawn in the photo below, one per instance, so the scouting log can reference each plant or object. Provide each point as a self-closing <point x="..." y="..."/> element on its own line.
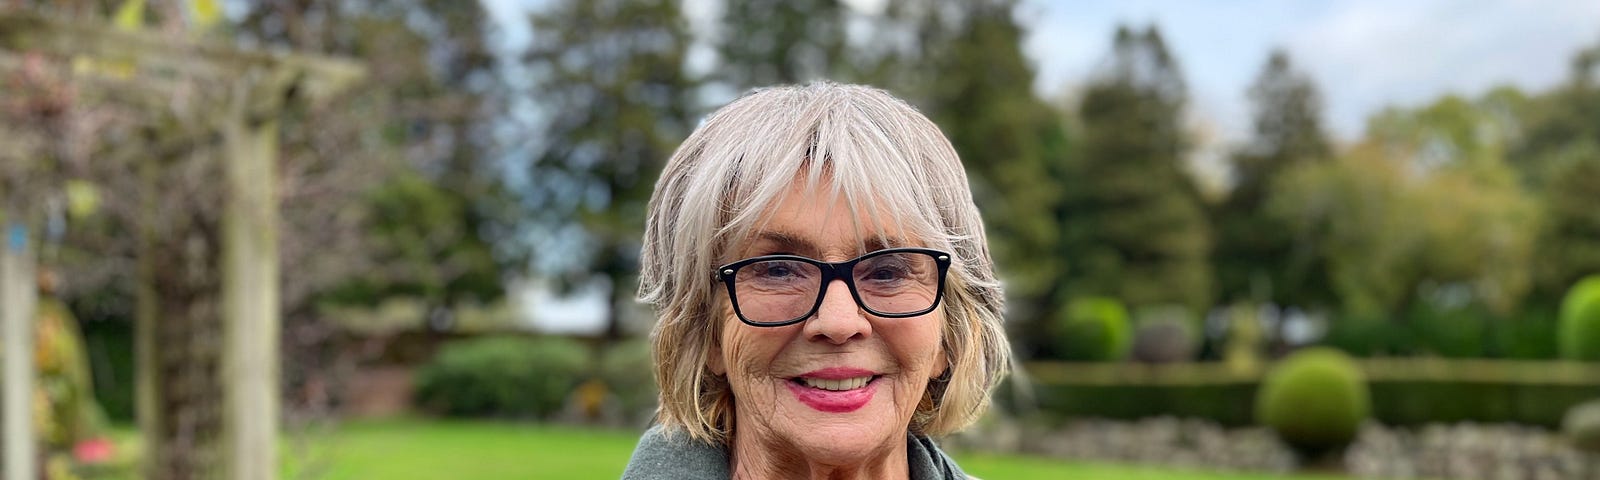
<point x="428" y="449"/>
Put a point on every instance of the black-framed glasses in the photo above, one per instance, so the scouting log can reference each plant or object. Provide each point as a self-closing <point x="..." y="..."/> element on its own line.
<point x="778" y="290"/>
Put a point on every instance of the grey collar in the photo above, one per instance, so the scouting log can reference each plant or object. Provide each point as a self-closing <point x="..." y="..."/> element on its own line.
<point x="672" y="455"/>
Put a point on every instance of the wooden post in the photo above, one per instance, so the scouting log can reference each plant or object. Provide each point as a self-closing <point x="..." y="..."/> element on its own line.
<point x="251" y="322"/>
<point x="18" y="295"/>
<point x="146" y="361"/>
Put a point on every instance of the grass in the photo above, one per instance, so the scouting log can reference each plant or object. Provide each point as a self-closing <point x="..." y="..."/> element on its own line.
<point x="425" y="449"/>
<point x="429" y="449"/>
<point x="1021" y="467"/>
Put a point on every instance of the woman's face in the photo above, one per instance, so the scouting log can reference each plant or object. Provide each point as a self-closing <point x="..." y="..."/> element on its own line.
<point x="798" y="389"/>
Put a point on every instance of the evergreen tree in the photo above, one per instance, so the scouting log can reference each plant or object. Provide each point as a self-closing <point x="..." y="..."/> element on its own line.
<point x="609" y="78"/>
<point x="1138" y="231"/>
<point x="1011" y="142"/>
<point x="1256" y="257"/>
<point x="767" y="42"/>
<point x="961" y="62"/>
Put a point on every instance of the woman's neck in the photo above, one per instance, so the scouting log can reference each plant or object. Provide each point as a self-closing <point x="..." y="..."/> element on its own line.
<point x="754" y="457"/>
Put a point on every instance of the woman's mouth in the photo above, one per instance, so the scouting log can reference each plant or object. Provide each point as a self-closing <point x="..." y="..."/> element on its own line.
<point x="836" y="385"/>
<point x="835" y="390"/>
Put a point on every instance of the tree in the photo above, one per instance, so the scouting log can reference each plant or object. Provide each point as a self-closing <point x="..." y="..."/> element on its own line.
<point x="1559" y="124"/>
<point x="1568" y="248"/>
<point x="973" y="81"/>
<point x="609" y="78"/>
<point x="418" y="136"/>
<point x="1255" y="257"/>
<point x="767" y="42"/>
<point x="1558" y="155"/>
<point x="1139" y="232"/>
<point x="1354" y="212"/>
<point x="1425" y="203"/>
<point x="417" y="238"/>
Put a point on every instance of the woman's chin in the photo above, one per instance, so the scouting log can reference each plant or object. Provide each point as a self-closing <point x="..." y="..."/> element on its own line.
<point x="840" y="428"/>
<point x="839" y="447"/>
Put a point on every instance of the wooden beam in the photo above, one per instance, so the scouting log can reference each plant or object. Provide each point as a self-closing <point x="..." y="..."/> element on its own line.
<point x="153" y="56"/>
<point x="18" y="296"/>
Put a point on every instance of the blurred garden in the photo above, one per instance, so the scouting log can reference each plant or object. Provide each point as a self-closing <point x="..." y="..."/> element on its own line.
<point x="330" y="240"/>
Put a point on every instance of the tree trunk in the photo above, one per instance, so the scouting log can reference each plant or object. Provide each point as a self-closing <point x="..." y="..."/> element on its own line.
<point x="617" y="295"/>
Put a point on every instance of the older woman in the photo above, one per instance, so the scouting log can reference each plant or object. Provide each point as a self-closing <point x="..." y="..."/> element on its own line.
<point x="826" y="297"/>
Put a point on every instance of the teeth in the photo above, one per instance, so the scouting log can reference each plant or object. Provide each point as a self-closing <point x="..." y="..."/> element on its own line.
<point x="837" y="385"/>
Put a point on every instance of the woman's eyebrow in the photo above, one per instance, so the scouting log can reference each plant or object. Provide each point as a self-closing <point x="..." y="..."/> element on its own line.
<point x="879" y="242"/>
<point x="788" y="241"/>
<point x="801" y="245"/>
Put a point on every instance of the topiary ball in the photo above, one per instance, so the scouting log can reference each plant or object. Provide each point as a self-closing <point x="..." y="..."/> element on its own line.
<point x="1580" y="321"/>
<point x="1582" y="425"/>
<point x="1315" y="400"/>
<point x="1092" y="329"/>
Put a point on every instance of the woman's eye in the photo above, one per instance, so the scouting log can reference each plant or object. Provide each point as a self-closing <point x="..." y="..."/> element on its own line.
<point x="778" y="270"/>
<point x="886" y="273"/>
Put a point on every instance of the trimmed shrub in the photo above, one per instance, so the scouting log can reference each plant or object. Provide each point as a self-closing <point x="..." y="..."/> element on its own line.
<point x="1165" y="335"/>
<point x="1316" y="399"/>
<point x="501" y="376"/>
<point x="1092" y="329"/>
<point x="1582" y="425"/>
<point x="1580" y="321"/>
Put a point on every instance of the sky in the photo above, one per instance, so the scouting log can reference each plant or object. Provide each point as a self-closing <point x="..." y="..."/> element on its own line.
<point x="1364" y="55"/>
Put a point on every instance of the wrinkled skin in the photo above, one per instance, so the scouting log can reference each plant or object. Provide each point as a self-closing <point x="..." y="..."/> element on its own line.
<point x="775" y="435"/>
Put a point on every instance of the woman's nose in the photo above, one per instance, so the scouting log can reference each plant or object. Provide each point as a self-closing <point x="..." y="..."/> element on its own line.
<point x="838" y="318"/>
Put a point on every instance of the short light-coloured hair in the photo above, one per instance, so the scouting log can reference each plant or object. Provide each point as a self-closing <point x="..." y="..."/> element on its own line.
<point x="877" y="153"/>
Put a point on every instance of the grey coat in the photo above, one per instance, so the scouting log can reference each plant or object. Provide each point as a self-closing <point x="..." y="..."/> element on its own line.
<point x="663" y="455"/>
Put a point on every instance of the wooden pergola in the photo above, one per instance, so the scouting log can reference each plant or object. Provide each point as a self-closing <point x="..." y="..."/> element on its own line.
<point x="181" y="363"/>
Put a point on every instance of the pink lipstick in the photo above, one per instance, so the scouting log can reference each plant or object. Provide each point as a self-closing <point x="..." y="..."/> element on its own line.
<point x="835" y="389"/>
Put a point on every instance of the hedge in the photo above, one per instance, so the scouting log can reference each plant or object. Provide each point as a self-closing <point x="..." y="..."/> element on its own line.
<point x="501" y="376"/>
<point x="1405" y="392"/>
